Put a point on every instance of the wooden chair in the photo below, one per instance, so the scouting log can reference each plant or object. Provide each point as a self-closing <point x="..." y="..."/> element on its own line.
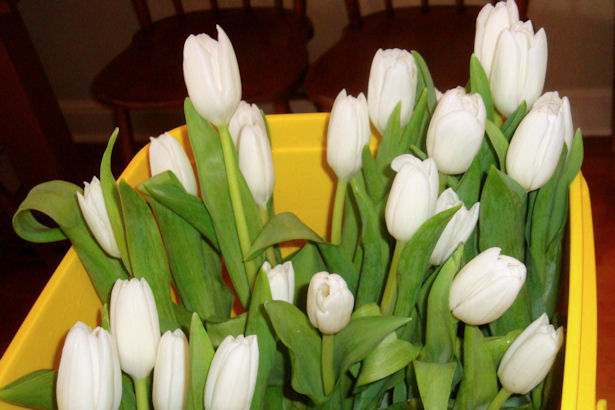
<point x="270" y="44"/>
<point x="444" y="35"/>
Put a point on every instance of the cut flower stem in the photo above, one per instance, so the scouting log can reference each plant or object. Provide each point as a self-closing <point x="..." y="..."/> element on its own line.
<point x="499" y="400"/>
<point x="328" y="373"/>
<point x="389" y="295"/>
<point x="338" y="211"/>
<point x="141" y="393"/>
<point x="269" y="253"/>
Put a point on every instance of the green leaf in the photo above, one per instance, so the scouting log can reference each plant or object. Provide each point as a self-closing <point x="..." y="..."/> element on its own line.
<point x="414" y="261"/>
<point x="479" y="384"/>
<point x="512" y="122"/>
<point x="498" y="142"/>
<point x="413" y="131"/>
<point x="387" y="358"/>
<point x="426" y="78"/>
<point x="441" y="329"/>
<point x="57" y="200"/>
<point x="282" y="227"/>
<point x="352" y="226"/>
<point x="304" y="345"/>
<point x="37" y="389"/>
<point x="207" y="151"/>
<point x="201" y="355"/>
<point x="480" y="84"/>
<point x="234" y="326"/>
<point x="258" y="324"/>
<point x="337" y="262"/>
<point x="434" y="381"/>
<point x="148" y="256"/>
<point x="390" y="140"/>
<point x="306" y="263"/>
<point x="166" y="189"/>
<point x="498" y="345"/>
<point x="373" y="181"/>
<point x="129" y="401"/>
<point x="468" y="189"/>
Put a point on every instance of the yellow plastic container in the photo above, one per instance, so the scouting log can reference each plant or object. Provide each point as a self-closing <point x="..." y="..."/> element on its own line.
<point x="304" y="186"/>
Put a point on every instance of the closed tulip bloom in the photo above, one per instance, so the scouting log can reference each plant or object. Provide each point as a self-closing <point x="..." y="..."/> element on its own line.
<point x="528" y="360"/>
<point x="348" y="133"/>
<point x="392" y="79"/>
<point x="456" y="131"/>
<point x="491" y="21"/>
<point x="245" y="114"/>
<point x="568" y="127"/>
<point x="92" y="204"/>
<point x="281" y="280"/>
<point x="89" y="376"/>
<point x="536" y="146"/>
<point x="519" y="67"/>
<point x="232" y="374"/>
<point x="171" y="371"/>
<point x="135" y="326"/>
<point x="486" y="287"/>
<point x="413" y="195"/>
<point x="256" y="162"/>
<point x="212" y="77"/>
<point x="167" y="154"/>
<point x="457" y="230"/>
<point x="329" y="302"/>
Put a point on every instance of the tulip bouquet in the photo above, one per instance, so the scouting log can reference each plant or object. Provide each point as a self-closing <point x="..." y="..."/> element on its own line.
<point x="435" y="289"/>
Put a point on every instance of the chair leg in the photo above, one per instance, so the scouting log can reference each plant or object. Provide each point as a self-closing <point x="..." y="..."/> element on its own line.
<point x="282" y="106"/>
<point x="125" y="138"/>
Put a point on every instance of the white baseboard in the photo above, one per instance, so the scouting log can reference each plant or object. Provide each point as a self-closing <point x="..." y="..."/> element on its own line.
<point x="90" y="121"/>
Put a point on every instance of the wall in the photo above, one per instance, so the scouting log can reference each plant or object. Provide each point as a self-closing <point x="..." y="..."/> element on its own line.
<point x="76" y="38"/>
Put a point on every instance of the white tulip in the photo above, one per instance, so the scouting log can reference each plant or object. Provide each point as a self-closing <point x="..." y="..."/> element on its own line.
<point x="171" y="371"/>
<point x="232" y="374"/>
<point x="281" y="280"/>
<point x="519" y="67"/>
<point x="528" y="360"/>
<point x="458" y="229"/>
<point x="256" y="162"/>
<point x="89" y="376"/>
<point x="392" y="79"/>
<point x="92" y="204"/>
<point x="536" y="146"/>
<point x="329" y="302"/>
<point x="413" y="195"/>
<point x="486" y="287"/>
<point x="348" y="133"/>
<point x="568" y="127"/>
<point x="456" y="131"/>
<point x="245" y="114"/>
<point x="167" y="154"/>
<point x="212" y="76"/>
<point x="134" y="325"/>
<point x="491" y="21"/>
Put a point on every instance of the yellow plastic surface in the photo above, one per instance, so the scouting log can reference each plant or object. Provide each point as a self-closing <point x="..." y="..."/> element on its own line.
<point x="304" y="185"/>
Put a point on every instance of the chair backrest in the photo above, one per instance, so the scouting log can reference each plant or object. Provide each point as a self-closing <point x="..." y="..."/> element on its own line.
<point x="353" y="9"/>
<point x="145" y="18"/>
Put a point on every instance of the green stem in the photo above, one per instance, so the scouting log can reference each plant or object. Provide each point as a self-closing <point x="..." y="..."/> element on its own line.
<point x="390" y="289"/>
<point x="442" y="180"/>
<point x="141" y="393"/>
<point x="499" y="400"/>
<point x="328" y="373"/>
<point x="269" y="253"/>
<point x="338" y="212"/>
<point x="232" y="177"/>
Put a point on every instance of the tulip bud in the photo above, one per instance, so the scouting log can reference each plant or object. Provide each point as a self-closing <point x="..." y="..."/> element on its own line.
<point x="413" y="195"/>
<point x="348" y="133"/>
<point x="456" y="131"/>
<point x="232" y="374"/>
<point x="89" y="376"/>
<point x="135" y="326"/>
<point x="171" y="371"/>
<point x="486" y="287"/>
<point x="167" y="154"/>
<point x="329" y="302"/>
<point x="457" y="230"/>
<point x="392" y="79"/>
<point x="528" y="360"/>
<point x="212" y="77"/>
<point x="256" y="162"/>
<point x="92" y="204"/>
<point x="281" y="280"/>
<point x="536" y="146"/>
<point x="491" y="21"/>
<point x="245" y="114"/>
<point x="519" y="67"/>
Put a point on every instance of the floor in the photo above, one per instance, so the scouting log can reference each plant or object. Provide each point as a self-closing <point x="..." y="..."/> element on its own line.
<point x="25" y="268"/>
